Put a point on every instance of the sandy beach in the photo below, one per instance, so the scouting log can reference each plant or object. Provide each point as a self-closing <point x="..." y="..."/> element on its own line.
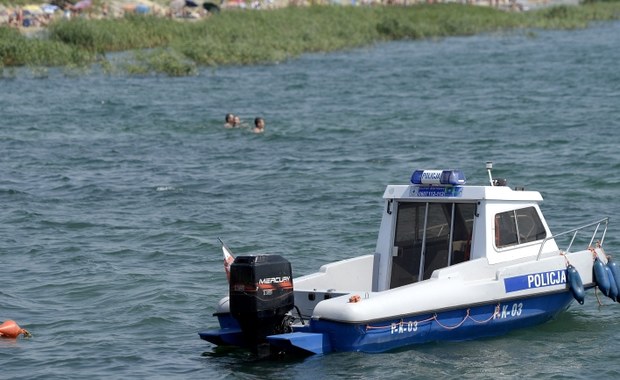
<point x="32" y="16"/>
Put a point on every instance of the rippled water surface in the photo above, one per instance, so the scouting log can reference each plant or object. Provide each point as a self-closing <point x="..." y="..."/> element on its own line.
<point x="115" y="189"/>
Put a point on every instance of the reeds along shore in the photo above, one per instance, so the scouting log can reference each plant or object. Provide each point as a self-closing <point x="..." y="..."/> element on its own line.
<point x="167" y="46"/>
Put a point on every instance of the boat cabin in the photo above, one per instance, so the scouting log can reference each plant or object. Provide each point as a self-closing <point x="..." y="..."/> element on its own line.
<point x="438" y="221"/>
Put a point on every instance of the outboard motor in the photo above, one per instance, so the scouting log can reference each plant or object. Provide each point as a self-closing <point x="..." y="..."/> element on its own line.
<point x="261" y="293"/>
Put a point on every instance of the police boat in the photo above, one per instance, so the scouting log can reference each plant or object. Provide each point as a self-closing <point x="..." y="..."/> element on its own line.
<point x="452" y="262"/>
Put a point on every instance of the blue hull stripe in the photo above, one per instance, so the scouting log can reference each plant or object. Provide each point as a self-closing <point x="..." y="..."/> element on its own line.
<point x="535" y="280"/>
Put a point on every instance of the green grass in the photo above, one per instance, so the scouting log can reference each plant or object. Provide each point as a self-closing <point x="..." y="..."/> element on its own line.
<point x="251" y="37"/>
<point x="18" y="50"/>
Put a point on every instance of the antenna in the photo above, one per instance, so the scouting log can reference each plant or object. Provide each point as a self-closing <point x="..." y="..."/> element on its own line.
<point x="489" y="166"/>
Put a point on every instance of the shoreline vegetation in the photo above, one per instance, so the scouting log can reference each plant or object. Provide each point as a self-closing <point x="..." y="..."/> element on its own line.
<point x="158" y="45"/>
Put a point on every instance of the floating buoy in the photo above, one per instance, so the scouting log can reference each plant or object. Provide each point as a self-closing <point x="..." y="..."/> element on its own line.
<point x="574" y="283"/>
<point x="615" y="270"/>
<point x="10" y="329"/>
<point x="600" y="276"/>
<point x="613" y="288"/>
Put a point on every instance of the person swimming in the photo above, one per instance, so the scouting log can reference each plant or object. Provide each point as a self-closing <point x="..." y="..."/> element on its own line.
<point x="259" y="125"/>
<point x="229" y="121"/>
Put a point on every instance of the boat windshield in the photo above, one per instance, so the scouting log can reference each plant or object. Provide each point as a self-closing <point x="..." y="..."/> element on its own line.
<point x="429" y="236"/>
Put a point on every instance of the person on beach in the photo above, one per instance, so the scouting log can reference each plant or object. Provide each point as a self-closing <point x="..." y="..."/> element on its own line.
<point x="259" y="125"/>
<point x="230" y="121"/>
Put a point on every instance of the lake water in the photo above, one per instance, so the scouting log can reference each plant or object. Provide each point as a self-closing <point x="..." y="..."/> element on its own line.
<point x="114" y="190"/>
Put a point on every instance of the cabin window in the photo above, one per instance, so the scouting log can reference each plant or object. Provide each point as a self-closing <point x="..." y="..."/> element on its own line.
<point x="408" y="243"/>
<point x="518" y="227"/>
<point x="462" y="232"/>
<point x="429" y="236"/>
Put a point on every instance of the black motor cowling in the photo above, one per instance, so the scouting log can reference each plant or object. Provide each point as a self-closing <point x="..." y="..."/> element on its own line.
<point x="261" y="293"/>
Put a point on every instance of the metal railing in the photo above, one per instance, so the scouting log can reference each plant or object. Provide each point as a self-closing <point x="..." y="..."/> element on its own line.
<point x="574" y="232"/>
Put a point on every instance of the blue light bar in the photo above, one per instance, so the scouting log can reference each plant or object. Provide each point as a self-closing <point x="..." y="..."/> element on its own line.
<point x="438" y="177"/>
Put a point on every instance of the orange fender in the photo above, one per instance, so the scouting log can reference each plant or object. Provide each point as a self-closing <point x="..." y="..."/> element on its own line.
<point x="10" y="329"/>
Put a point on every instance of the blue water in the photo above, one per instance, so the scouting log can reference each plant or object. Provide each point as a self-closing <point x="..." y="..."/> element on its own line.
<point x="114" y="190"/>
